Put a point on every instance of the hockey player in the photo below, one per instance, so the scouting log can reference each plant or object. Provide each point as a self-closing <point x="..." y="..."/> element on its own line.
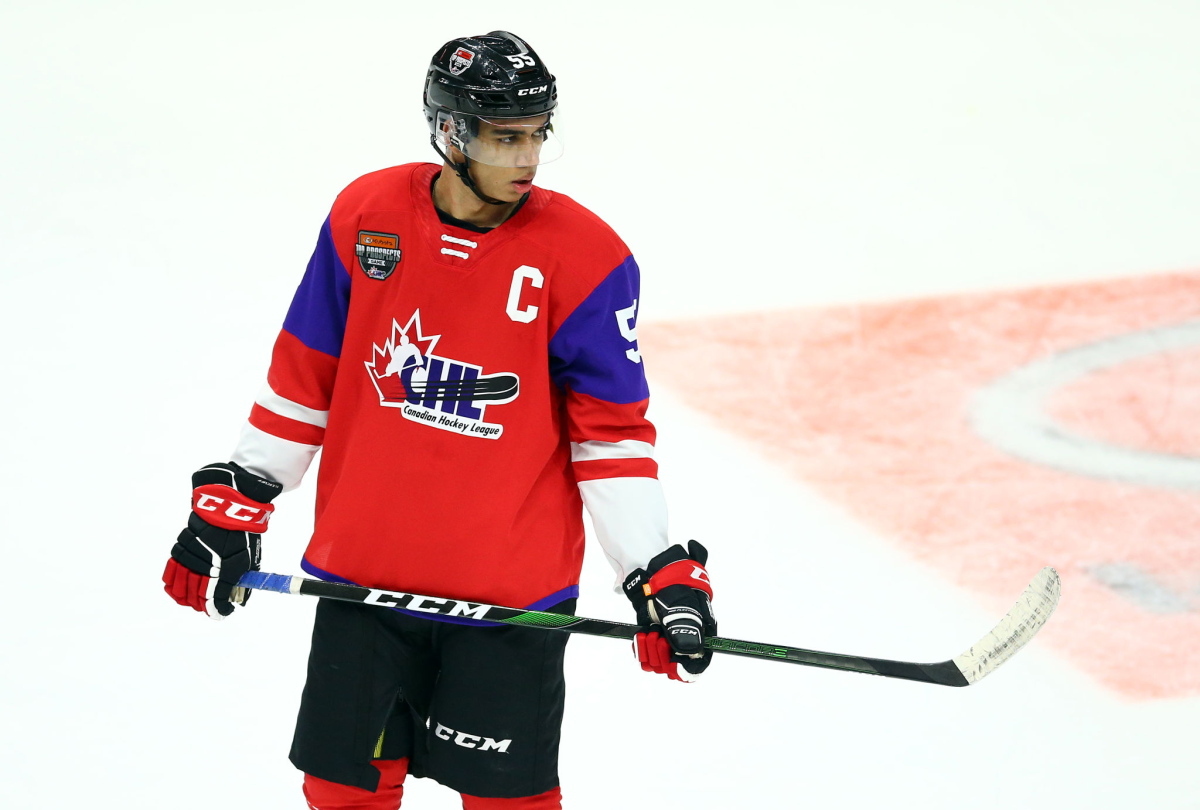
<point x="463" y="346"/>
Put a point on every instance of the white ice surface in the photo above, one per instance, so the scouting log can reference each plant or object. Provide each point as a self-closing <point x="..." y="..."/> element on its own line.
<point x="164" y="170"/>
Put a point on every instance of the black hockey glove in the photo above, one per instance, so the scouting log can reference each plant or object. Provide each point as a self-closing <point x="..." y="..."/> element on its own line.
<point x="230" y="510"/>
<point x="673" y="600"/>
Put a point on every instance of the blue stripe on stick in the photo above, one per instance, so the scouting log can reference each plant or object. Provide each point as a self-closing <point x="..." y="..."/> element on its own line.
<point x="262" y="581"/>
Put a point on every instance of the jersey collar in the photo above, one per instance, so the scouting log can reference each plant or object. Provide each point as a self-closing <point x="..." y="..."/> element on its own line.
<point x="458" y="247"/>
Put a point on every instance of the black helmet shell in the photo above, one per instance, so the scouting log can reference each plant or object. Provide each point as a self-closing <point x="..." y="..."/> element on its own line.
<point x="496" y="75"/>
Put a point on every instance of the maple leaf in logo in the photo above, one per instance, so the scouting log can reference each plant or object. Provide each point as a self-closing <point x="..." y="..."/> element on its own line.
<point x="389" y="365"/>
<point x="380" y="358"/>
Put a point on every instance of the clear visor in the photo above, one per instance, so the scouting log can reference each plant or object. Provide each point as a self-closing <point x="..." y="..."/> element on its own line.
<point x="506" y="142"/>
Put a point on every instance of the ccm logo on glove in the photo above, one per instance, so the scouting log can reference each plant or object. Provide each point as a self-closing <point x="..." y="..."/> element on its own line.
<point x="673" y="600"/>
<point x="681" y="572"/>
<point x="227" y="508"/>
<point x="222" y="540"/>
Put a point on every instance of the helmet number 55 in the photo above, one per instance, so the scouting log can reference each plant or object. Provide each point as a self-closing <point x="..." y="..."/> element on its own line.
<point x="522" y="60"/>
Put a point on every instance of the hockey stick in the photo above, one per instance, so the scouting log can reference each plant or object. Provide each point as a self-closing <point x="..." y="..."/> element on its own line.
<point x="1012" y="633"/>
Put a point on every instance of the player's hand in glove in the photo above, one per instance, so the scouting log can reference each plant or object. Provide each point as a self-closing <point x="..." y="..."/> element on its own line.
<point x="673" y="600"/>
<point x="230" y="510"/>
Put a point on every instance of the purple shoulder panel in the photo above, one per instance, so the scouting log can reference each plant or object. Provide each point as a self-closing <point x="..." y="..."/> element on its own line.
<point x="317" y="316"/>
<point x="595" y="350"/>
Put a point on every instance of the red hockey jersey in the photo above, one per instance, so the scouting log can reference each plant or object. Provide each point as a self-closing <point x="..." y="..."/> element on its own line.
<point x="471" y="391"/>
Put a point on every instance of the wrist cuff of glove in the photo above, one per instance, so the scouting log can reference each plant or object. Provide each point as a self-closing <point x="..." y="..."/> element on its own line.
<point x="685" y="571"/>
<point x="229" y="497"/>
<point x="226" y="508"/>
<point x="634" y="590"/>
<point x="252" y="486"/>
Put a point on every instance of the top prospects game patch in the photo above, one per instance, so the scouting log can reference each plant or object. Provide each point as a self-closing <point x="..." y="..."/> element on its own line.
<point x="378" y="253"/>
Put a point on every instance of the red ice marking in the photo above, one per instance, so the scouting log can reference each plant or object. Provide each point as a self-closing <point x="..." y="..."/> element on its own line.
<point x="1149" y="404"/>
<point x="871" y="405"/>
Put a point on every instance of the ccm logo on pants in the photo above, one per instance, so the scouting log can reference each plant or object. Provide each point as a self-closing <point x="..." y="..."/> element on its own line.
<point x="471" y="740"/>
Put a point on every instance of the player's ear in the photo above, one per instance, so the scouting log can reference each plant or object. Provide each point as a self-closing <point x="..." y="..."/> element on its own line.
<point x="451" y="150"/>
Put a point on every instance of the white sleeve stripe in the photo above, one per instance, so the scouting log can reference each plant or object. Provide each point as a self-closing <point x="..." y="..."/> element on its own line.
<point x="292" y="410"/>
<point x="630" y="516"/>
<point x="272" y="457"/>
<point x="593" y="451"/>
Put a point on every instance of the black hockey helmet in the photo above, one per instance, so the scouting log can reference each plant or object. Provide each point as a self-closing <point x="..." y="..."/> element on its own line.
<point x="496" y="75"/>
<point x="496" y="85"/>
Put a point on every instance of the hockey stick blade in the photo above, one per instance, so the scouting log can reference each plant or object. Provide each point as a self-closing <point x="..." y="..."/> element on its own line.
<point x="1015" y="630"/>
<point x="1012" y="633"/>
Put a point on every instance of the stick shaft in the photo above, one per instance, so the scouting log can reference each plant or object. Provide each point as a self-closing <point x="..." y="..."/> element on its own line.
<point x="944" y="673"/>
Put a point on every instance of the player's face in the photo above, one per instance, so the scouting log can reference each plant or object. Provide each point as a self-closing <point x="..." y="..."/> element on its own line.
<point x="506" y="155"/>
<point x="513" y="142"/>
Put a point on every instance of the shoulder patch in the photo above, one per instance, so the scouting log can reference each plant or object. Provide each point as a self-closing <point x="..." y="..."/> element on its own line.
<point x="378" y="253"/>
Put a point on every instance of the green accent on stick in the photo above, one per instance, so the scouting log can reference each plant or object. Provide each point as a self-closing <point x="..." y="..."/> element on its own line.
<point x="750" y="648"/>
<point x="542" y="620"/>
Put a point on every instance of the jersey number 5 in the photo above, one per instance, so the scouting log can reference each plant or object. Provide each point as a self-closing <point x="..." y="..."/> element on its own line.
<point x="627" y="321"/>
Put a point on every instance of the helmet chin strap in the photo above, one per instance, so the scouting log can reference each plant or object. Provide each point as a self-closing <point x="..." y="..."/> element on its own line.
<point x="463" y="170"/>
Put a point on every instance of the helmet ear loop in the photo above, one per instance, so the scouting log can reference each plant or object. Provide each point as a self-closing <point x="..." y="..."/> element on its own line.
<point x="463" y="170"/>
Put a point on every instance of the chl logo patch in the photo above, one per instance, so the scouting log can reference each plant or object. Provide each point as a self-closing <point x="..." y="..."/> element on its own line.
<point x="460" y="60"/>
<point x="434" y="390"/>
<point x="378" y="253"/>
